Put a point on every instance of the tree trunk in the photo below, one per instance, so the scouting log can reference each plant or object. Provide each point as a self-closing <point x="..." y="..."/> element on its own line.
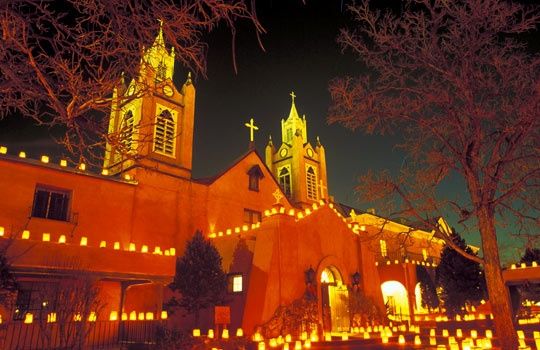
<point x="499" y="296"/>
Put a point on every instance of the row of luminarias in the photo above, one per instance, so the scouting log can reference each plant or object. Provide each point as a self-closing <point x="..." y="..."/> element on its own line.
<point x="46" y="237"/>
<point x="383" y="333"/>
<point x="63" y="163"/>
<point x="299" y="214"/>
<point x="523" y="265"/>
<point x="407" y="261"/>
<point x="473" y="317"/>
<point x="113" y="316"/>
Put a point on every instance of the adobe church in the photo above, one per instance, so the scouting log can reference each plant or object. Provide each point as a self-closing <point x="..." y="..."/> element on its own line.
<point x="125" y="225"/>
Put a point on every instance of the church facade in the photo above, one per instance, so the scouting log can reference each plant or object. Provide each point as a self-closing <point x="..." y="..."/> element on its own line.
<point x="273" y="220"/>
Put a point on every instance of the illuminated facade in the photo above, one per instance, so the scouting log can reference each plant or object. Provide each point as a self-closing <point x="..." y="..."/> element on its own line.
<point x="271" y="219"/>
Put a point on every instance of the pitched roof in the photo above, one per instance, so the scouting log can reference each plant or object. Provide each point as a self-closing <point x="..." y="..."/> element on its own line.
<point x="210" y="180"/>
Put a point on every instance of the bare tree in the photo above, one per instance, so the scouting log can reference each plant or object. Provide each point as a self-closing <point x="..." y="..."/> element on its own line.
<point x="60" y="63"/>
<point x="452" y="79"/>
<point x="70" y="308"/>
<point x="8" y="287"/>
<point x="8" y="283"/>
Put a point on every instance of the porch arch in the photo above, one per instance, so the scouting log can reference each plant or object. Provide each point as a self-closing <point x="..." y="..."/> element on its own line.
<point x="396" y="299"/>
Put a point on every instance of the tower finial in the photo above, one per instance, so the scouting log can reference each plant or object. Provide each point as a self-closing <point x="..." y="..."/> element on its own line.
<point x="188" y="81"/>
<point x="293" y="96"/>
<point x="159" y="38"/>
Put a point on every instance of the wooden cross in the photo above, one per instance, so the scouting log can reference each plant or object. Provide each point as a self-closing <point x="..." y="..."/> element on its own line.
<point x="292" y="95"/>
<point x="322" y="187"/>
<point x="252" y="128"/>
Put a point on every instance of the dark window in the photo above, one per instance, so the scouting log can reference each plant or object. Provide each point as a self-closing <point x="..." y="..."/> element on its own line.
<point x="285" y="181"/>
<point x="37" y="298"/>
<point x="51" y="204"/>
<point x="251" y="216"/>
<point x="255" y="174"/>
<point x="253" y="182"/>
<point x="236" y="283"/>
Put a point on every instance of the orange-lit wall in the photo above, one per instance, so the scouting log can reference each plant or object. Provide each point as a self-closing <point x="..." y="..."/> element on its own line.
<point x="229" y="195"/>
<point x="284" y="248"/>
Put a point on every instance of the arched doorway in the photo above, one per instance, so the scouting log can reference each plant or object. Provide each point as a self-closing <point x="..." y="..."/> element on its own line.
<point x="334" y="301"/>
<point x="396" y="300"/>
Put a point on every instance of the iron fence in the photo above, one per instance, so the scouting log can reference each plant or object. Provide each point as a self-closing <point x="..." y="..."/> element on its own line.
<point x="77" y="335"/>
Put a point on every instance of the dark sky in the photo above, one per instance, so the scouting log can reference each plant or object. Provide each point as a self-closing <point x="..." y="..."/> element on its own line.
<point x="301" y="56"/>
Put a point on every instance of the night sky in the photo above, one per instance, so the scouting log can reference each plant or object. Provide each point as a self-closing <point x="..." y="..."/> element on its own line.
<point x="301" y="56"/>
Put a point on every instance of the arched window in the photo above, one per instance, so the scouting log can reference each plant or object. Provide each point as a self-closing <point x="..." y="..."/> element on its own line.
<point x="161" y="72"/>
<point x="284" y="176"/>
<point x="164" y="137"/>
<point x="126" y="133"/>
<point x="255" y="174"/>
<point x="311" y="182"/>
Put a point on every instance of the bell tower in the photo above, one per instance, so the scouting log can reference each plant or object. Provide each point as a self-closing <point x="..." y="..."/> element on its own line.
<point x="299" y="167"/>
<point x="151" y="121"/>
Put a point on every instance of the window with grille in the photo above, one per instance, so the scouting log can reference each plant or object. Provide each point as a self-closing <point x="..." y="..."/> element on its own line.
<point x="384" y="250"/>
<point x="164" y="137"/>
<point x="285" y="180"/>
<point x="311" y="182"/>
<point x="37" y="298"/>
<point x="251" y="216"/>
<point x="51" y="203"/>
<point x="289" y="134"/>
<point x="126" y="135"/>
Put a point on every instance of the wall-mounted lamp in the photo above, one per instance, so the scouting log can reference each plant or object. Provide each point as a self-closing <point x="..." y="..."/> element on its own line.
<point x="356" y="279"/>
<point x="310" y="276"/>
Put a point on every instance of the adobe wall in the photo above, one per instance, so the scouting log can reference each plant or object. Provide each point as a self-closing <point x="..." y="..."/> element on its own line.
<point x="285" y="248"/>
<point x="229" y="195"/>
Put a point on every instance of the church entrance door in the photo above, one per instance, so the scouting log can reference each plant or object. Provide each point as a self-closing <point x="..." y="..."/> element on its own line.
<point x="334" y="301"/>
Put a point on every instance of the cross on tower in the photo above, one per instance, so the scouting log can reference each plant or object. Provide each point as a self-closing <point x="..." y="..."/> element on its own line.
<point x="292" y="95"/>
<point x="252" y="128"/>
<point x="322" y="187"/>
